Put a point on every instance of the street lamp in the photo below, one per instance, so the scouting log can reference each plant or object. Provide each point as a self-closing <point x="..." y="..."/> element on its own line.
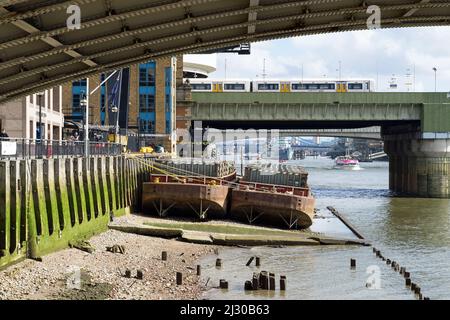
<point x="115" y="110"/>
<point x="435" y="79"/>
<point x="39" y="96"/>
<point x="84" y="102"/>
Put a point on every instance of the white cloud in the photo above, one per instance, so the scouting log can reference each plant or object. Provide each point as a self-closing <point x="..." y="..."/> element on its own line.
<point x="363" y="54"/>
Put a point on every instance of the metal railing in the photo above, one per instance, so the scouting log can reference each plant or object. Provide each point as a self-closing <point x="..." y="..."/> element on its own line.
<point x="16" y="148"/>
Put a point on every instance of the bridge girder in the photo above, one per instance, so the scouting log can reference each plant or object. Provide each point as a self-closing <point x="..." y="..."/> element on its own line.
<point x="38" y="51"/>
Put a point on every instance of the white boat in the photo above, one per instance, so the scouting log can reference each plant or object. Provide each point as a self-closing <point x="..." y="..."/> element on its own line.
<point x="346" y="163"/>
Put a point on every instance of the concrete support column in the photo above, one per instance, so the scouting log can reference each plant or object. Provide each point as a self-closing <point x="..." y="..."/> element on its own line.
<point x="419" y="167"/>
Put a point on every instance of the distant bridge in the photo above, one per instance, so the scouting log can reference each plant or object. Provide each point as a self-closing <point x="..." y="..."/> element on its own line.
<point x="373" y="133"/>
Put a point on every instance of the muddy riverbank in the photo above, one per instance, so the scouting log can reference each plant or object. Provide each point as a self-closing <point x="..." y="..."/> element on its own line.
<point x="75" y="274"/>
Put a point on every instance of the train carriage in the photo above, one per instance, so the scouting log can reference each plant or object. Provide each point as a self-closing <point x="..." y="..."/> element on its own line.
<point x="282" y="86"/>
<point x="205" y="85"/>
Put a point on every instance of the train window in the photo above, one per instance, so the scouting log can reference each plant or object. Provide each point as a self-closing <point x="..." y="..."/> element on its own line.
<point x="234" y="86"/>
<point x="313" y="86"/>
<point x="201" y="86"/>
<point x="268" y="86"/>
<point x="298" y="86"/>
<point x="328" y="86"/>
<point x="355" y="86"/>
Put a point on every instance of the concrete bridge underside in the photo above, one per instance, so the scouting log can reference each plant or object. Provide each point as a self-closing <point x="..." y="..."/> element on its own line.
<point x="414" y="127"/>
<point x="38" y="50"/>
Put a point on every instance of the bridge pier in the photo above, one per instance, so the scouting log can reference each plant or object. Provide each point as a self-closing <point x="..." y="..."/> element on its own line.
<point x="419" y="167"/>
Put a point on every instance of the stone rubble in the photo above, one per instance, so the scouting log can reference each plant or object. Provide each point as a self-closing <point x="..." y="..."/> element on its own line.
<point x="101" y="273"/>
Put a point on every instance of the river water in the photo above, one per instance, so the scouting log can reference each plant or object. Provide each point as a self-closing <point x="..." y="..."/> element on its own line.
<point x="413" y="232"/>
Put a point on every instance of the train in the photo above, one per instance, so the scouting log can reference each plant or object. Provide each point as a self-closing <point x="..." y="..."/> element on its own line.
<point x="282" y="86"/>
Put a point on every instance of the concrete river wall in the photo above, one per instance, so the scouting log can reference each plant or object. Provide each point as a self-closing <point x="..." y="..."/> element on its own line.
<point x="47" y="203"/>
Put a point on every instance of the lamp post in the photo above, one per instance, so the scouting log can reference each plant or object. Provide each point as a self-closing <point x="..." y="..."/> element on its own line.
<point x="39" y="95"/>
<point x="85" y="102"/>
<point x="435" y="79"/>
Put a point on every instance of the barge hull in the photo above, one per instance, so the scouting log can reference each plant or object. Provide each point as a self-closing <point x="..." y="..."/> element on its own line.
<point x="274" y="209"/>
<point x="185" y="199"/>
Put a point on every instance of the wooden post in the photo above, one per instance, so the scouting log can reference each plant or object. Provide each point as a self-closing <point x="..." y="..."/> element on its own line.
<point x="283" y="283"/>
<point x="199" y="270"/>
<point x="140" y="275"/>
<point x="258" y="261"/>
<point x="255" y="281"/>
<point x="352" y="263"/>
<point x="264" y="280"/>
<point x="223" y="284"/>
<point x="179" y="278"/>
<point x="250" y="261"/>
<point x="272" y="281"/>
<point x="219" y="263"/>
<point x="164" y="256"/>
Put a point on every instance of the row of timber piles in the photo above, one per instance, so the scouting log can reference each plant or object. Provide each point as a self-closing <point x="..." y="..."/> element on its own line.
<point x="47" y="203"/>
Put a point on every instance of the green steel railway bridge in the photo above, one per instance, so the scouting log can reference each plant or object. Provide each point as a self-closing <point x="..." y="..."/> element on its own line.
<point x="414" y="126"/>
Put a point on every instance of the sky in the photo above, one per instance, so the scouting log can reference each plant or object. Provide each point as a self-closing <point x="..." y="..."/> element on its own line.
<point x="375" y="54"/>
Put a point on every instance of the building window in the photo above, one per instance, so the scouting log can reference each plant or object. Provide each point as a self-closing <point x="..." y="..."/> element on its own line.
<point x="79" y="89"/>
<point x="168" y="99"/>
<point x="80" y="83"/>
<point x="56" y="105"/>
<point x="146" y="103"/>
<point x="147" y="75"/>
<point x="147" y="126"/>
<point x="76" y="103"/>
<point x="168" y="104"/>
<point x="31" y="133"/>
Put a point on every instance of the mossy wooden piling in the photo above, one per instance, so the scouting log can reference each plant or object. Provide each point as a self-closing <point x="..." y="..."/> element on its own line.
<point x="46" y="203"/>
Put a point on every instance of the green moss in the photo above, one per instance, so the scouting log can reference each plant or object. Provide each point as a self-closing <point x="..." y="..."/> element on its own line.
<point x="80" y="190"/>
<point x="221" y="228"/>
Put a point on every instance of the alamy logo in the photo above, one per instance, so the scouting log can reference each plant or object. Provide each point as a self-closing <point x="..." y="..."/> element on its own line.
<point x="74" y="20"/>
<point x="374" y="21"/>
<point x="74" y="278"/>
<point x="374" y="280"/>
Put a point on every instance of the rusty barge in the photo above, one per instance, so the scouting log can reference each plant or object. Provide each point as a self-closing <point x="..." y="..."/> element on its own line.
<point x="199" y="189"/>
<point x="277" y="196"/>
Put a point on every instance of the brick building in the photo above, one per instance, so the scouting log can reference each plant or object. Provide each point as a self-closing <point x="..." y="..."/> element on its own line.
<point x="149" y="106"/>
<point x="20" y="118"/>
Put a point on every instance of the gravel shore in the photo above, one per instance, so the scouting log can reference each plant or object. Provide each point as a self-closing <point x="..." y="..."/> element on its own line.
<point x="101" y="273"/>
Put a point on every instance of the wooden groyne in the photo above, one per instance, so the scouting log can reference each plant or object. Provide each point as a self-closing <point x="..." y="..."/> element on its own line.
<point x="346" y="222"/>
